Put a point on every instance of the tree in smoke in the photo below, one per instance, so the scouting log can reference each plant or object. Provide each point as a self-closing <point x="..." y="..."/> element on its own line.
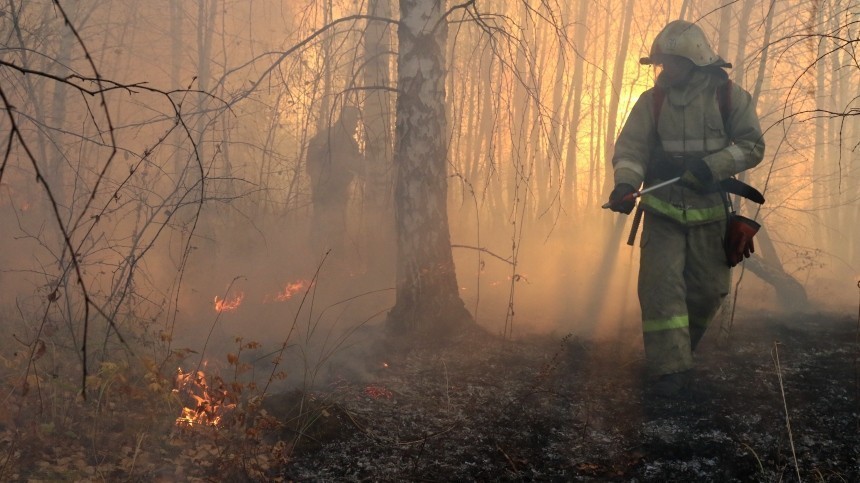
<point x="378" y="135"/>
<point x="99" y="203"/>
<point x="427" y="297"/>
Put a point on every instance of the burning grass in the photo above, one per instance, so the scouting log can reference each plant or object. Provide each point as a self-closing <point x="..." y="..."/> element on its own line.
<point x="138" y="423"/>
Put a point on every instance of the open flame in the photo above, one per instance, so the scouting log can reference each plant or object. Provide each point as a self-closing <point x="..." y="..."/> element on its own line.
<point x="291" y="289"/>
<point x="210" y="404"/>
<point x="228" y="304"/>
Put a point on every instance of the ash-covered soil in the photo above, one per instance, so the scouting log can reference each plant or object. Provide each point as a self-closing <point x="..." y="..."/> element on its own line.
<point x="565" y="409"/>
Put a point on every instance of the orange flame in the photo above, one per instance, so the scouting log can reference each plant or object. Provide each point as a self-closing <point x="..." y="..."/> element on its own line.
<point x="291" y="289"/>
<point x="210" y="403"/>
<point x="228" y="305"/>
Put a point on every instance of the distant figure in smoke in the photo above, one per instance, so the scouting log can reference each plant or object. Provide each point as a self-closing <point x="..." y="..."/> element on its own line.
<point x="333" y="160"/>
<point x="697" y="125"/>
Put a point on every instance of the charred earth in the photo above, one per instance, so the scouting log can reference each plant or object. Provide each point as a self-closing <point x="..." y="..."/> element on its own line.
<point x="564" y="409"/>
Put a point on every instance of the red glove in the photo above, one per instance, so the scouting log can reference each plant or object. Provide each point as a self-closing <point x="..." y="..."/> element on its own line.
<point x="739" y="239"/>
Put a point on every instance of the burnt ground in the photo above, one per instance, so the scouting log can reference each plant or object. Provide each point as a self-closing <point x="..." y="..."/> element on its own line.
<point x="564" y="409"/>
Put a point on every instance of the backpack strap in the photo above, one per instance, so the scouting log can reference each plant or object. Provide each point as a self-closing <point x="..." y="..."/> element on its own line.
<point x="658" y="95"/>
<point x="724" y="101"/>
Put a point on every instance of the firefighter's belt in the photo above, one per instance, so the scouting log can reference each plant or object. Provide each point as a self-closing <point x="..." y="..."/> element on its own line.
<point x="732" y="186"/>
<point x="668" y="167"/>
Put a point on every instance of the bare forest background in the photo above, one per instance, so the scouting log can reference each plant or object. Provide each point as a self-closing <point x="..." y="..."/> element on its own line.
<point x="155" y="206"/>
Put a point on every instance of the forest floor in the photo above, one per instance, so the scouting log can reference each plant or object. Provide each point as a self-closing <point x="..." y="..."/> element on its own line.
<point x="542" y="408"/>
<point x="562" y="409"/>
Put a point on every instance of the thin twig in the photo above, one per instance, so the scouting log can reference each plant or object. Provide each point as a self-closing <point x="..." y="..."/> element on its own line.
<point x="137" y="452"/>
<point x="775" y="356"/>
<point x="214" y="323"/>
<point x="757" y="459"/>
<point x="277" y="362"/>
<point x="447" y="386"/>
<point x="508" y="458"/>
<point x="481" y="249"/>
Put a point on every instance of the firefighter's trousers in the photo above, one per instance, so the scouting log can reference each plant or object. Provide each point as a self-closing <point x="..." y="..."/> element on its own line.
<point x="683" y="279"/>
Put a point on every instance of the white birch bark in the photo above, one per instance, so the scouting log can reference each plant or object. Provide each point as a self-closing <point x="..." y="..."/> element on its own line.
<point x="427" y="298"/>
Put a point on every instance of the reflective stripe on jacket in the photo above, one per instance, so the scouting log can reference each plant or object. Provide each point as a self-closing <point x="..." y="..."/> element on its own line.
<point x="690" y="126"/>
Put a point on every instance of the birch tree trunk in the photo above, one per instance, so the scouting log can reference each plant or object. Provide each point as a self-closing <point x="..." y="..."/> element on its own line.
<point x="820" y="184"/>
<point x="377" y="128"/>
<point x="570" y="178"/>
<point x="206" y="14"/>
<point x="852" y="191"/>
<point x="615" y="100"/>
<point x="768" y="266"/>
<point x="558" y="108"/>
<point x="521" y="112"/>
<point x="685" y="6"/>
<point x="54" y="173"/>
<point x="763" y="59"/>
<point x="177" y="46"/>
<point x="600" y="137"/>
<point x="725" y="29"/>
<point x="326" y="63"/>
<point x="739" y="61"/>
<point x="837" y="131"/>
<point x="427" y="296"/>
<point x="739" y="71"/>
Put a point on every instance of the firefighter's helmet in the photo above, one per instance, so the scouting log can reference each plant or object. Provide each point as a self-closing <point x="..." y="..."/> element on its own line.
<point x="684" y="39"/>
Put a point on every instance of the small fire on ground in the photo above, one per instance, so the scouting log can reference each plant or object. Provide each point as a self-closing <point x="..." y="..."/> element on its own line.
<point x="230" y="304"/>
<point x="210" y="402"/>
<point x="291" y="289"/>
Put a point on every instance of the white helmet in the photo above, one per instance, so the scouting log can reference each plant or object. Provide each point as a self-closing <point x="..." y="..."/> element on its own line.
<point x="684" y="39"/>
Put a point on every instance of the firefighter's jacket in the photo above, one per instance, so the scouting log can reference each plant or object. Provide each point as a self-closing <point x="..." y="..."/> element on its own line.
<point x="690" y="126"/>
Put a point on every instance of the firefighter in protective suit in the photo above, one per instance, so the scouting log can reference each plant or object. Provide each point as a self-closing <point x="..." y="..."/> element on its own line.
<point x="683" y="275"/>
<point x="333" y="160"/>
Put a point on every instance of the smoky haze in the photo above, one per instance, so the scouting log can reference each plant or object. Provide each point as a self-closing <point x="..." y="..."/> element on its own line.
<point x="184" y="182"/>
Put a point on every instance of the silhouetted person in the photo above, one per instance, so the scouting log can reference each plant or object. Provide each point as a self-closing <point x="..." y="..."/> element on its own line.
<point x="697" y="125"/>
<point x="333" y="160"/>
